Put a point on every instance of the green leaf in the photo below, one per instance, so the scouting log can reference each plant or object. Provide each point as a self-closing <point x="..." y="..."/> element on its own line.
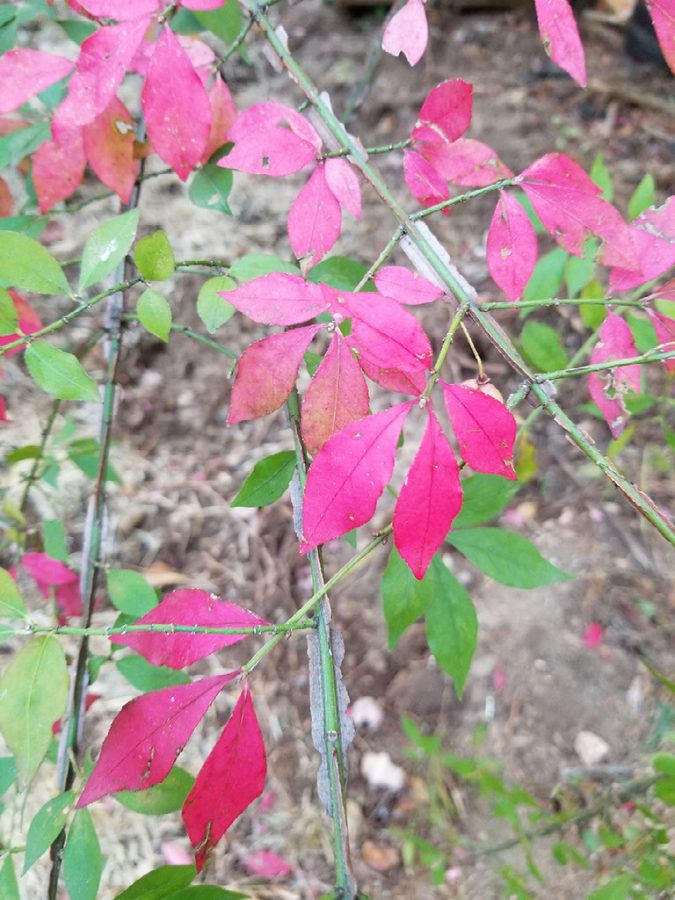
<point x="451" y="623"/>
<point x="7" y="773"/>
<point x="82" y="859"/>
<point x="253" y="265"/>
<point x="89" y="464"/>
<point x="146" y="677"/>
<point x="339" y="272"/>
<point x="268" y="480"/>
<point x="9" y="320"/>
<point x="484" y="498"/>
<point x="547" y="277"/>
<point x="402" y="597"/>
<point x="213" y="309"/>
<point x="130" y="592"/>
<point x="210" y="187"/>
<point x="154" y="257"/>
<point x="59" y="373"/>
<point x="154" y="314"/>
<point x="15" y="146"/>
<point x="24" y="263"/>
<point x="542" y="346"/>
<point x="207" y="892"/>
<point x="643" y="332"/>
<point x="600" y="175"/>
<point x="106" y="247"/>
<point x="224" y="22"/>
<point x="616" y="889"/>
<point x="54" y="539"/>
<point x="592" y="314"/>
<point x="643" y="197"/>
<point x="45" y="827"/>
<point x="159" y="884"/>
<point x="580" y="270"/>
<point x="76" y="30"/>
<point x="33" y="695"/>
<point x="506" y="557"/>
<point x="664" y="762"/>
<point x="160" y="799"/>
<point x="11" y="601"/>
<point x="9" y="889"/>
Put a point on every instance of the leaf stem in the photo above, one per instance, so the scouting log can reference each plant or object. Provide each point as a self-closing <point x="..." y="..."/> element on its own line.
<point x="195" y="335"/>
<point x="649" y="357"/>
<point x="564" y="301"/>
<point x="462" y="198"/>
<point x="371" y="151"/>
<point x="159" y="628"/>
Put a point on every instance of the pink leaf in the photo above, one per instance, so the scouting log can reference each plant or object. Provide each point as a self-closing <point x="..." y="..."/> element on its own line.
<point x="104" y="59"/>
<point x="265" y="864"/>
<point x="653" y="234"/>
<point x="3" y="410"/>
<point x="344" y="184"/>
<point x="223" y="114"/>
<point x="29" y="322"/>
<point x="271" y="139"/>
<point x="423" y="181"/>
<point x="485" y="429"/>
<point x="429" y="500"/>
<point x="407" y="32"/>
<point x="314" y="219"/>
<point x="465" y="162"/>
<point x="665" y="291"/>
<point x="202" y="4"/>
<point x="176" y="107"/>
<point x="228" y="782"/>
<point x="121" y="10"/>
<point x="109" y="147"/>
<point x="393" y="349"/>
<point x="24" y="73"/>
<point x="664" y="327"/>
<point x="147" y="735"/>
<point x="570" y="208"/>
<point x="278" y="299"/>
<point x="663" y="17"/>
<point x="194" y="608"/>
<point x="58" y="169"/>
<point x="607" y="388"/>
<point x="558" y="30"/>
<point x="336" y="396"/>
<point x="593" y="635"/>
<point x="446" y="112"/>
<point x="348" y="475"/>
<point x="46" y="571"/>
<point x="266" y="373"/>
<point x="405" y="286"/>
<point x="511" y="247"/>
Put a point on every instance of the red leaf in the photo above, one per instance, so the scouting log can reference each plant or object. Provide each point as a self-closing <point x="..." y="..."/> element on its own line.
<point x="466" y="162"/>
<point x="558" y="30"/>
<point x="393" y="349"/>
<point x="121" y="10"/>
<point x="663" y="17"/>
<point x="104" y="59"/>
<point x="485" y="429"/>
<point x="271" y="139"/>
<point x="653" y="234"/>
<point x="228" y="782"/>
<point x="176" y="107"/>
<point x="266" y="373"/>
<point x="46" y="571"/>
<point x="24" y="73"/>
<point x="188" y="607"/>
<point x="570" y="208"/>
<point x="109" y="147"/>
<point x="607" y="388"/>
<point x="405" y="286"/>
<point x="336" y="396"/>
<point x="423" y="181"/>
<point x="58" y="169"/>
<point x="429" y="500"/>
<point x="3" y="410"/>
<point x="511" y="247"/>
<point x="348" y="475"/>
<point x="278" y="299"/>
<point x="446" y="112"/>
<point x="147" y="735"/>
<point x="344" y="183"/>
<point x="265" y="864"/>
<point x="593" y="635"/>
<point x="223" y="114"/>
<point x="6" y="200"/>
<point x="314" y="219"/>
<point x="664" y="327"/>
<point x="29" y="322"/>
<point x="407" y="32"/>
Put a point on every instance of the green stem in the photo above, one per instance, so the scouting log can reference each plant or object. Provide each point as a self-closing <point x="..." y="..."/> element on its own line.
<point x="651" y="356"/>
<point x="70" y="208"/>
<point x="204" y="263"/>
<point x="564" y="301"/>
<point x="32" y="476"/>
<point x="57" y="324"/>
<point x="371" y="151"/>
<point x="462" y="198"/>
<point x="462" y="310"/>
<point x="158" y="628"/>
<point x="195" y="335"/>
<point x="426" y="245"/>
